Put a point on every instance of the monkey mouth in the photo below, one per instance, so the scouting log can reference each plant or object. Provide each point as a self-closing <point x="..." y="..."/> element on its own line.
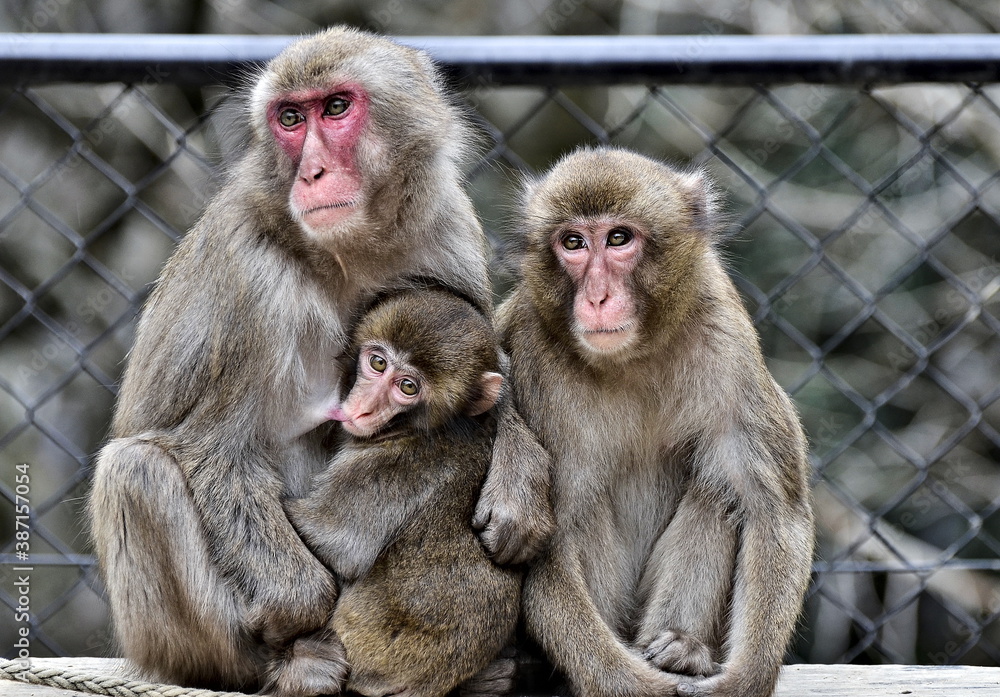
<point x="617" y="330"/>
<point x="608" y="339"/>
<point x="329" y="215"/>
<point x="608" y="331"/>
<point x="329" y="206"/>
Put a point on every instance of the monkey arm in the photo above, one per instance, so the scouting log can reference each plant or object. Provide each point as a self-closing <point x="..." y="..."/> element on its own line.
<point x="358" y="507"/>
<point x="287" y="591"/>
<point x="514" y="513"/>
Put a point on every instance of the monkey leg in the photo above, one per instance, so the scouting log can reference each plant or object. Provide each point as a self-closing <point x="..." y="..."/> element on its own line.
<point x="736" y="591"/>
<point x="561" y="615"/>
<point x="771" y="575"/>
<point x="686" y="587"/>
<point x="174" y="616"/>
<point x="400" y="640"/>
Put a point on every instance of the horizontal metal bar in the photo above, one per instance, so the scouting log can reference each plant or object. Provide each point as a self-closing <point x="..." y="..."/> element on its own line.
<point x="509" y="60"/>
<point x="904" y="567"/>
<point x="155" y="58"/>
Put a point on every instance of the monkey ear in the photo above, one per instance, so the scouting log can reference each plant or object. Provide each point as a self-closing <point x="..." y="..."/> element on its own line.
<point x="701" y="195"/>
<point x="489" y="393"/>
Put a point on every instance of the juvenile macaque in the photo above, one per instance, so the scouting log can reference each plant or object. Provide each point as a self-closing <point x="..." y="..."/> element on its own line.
<point x="350" y="181"/>
<point x="421" y="607"/>
<point x="684" y="530"/>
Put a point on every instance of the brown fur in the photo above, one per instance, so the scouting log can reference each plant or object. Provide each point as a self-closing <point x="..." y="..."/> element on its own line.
<point x="680" y="482"/>
<point x="216" y="424"/>
<point x="421" y="608"/>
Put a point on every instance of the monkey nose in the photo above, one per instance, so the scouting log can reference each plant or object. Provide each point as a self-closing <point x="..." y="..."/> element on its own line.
<point x="309" y="174"/>
<point x="598" y="299"/>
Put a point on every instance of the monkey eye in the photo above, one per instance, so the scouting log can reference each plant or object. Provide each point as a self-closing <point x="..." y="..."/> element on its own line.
<point x="618" y="237"/>
<point x="408" y="387"/>
<point x="378" y="363"/>
<point x="336" y="106"/>
<point x="289" y="118"/>
<point x="573" y="242"/>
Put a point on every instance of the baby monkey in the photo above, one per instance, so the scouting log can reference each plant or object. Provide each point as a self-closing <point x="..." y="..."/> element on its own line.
<point x="421" y="608"/>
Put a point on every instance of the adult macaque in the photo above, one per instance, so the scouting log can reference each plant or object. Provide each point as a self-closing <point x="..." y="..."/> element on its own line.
<point x="684" y="530"/>
<point x="421" y="607"/>
<point x="350" y="181"/>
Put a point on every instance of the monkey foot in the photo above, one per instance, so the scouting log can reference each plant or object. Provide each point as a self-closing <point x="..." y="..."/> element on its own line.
<point x="705" y="687"/>
<point x="677" y="652"/>
<point x="314" y="665"/>
<point x="494" y="680"/>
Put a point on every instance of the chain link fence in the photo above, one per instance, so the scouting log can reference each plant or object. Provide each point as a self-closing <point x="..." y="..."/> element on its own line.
<point x="863" y="217"/>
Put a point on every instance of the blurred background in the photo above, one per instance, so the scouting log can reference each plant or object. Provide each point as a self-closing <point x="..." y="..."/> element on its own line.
<point x="863" y="233"/>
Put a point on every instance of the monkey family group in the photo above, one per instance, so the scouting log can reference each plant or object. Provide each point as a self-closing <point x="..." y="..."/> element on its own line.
<point x="334" y="466"/>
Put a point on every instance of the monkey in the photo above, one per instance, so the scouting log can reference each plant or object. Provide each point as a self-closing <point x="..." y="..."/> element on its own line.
<point x="349" y="181"/>
<point x="680" y="484"/>
<point x="421" y="607"/>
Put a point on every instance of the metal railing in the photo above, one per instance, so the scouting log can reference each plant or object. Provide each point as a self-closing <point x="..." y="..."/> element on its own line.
<point x="861" y="175"/>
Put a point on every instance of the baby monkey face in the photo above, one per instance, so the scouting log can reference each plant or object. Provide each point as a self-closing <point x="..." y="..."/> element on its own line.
<point x="386" y="385"/>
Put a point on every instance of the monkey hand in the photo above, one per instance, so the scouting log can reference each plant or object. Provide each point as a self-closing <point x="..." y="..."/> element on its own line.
<point x="513" y="530"/>
<point x="514" y="516"/>
<point x="293" y="603"/>
<point x="314" y="664"/>
<point x="677" y="652"/>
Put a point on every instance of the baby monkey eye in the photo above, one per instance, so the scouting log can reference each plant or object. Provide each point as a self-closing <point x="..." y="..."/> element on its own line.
<point x="336" y="106"/>
<point x="618" y="237"/>
<point x="378" y="363"/>
<point x="408" y="387"/>
<point x="290" y="117"/>
<point x="573" y="242"/>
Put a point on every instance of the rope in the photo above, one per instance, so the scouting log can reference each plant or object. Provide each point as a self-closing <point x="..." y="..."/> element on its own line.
<point x="111" y="685"/>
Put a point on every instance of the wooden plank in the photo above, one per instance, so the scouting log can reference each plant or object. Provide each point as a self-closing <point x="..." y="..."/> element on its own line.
<point x="888" y="681"/>
<point x="796" y="680"/>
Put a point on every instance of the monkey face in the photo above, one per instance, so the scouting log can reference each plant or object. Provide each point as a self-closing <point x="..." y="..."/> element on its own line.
<point x="614" y="243"/>
<point x="319" y="130"/>
<point x="599" y="256"/>
<point x="386" y="386"/>
<point x="343" y="118"/>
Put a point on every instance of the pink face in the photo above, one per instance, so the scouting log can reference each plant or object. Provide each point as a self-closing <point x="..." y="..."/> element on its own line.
<point x="319" y="130"/>
<point x="383" y="389"/>
<point x="600" y="256"/>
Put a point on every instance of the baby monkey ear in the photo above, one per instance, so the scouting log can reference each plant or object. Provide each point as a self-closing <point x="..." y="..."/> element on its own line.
<point x="489" y="393"/>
